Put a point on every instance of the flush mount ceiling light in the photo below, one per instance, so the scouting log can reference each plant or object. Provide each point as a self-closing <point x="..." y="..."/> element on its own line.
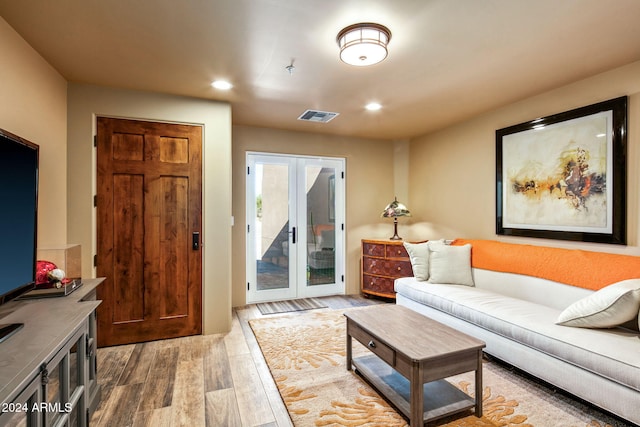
<point x="363" y="44"/>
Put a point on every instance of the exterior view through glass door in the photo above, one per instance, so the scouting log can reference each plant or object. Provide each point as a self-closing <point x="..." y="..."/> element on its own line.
<point x="295" y="227"/>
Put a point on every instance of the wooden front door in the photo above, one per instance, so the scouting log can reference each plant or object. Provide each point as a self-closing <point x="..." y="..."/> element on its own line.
<point x="149" y="205"/>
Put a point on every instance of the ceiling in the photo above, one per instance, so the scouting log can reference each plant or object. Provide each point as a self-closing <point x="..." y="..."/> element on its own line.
<point x="448" y="59"/>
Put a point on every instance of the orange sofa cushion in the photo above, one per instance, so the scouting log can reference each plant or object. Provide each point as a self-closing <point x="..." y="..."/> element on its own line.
<point x="585" y="269"/>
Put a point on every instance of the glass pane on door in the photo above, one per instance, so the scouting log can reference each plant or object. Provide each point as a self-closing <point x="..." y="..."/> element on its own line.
<point x="321" y="233"/>
<point x="272" y="243"/>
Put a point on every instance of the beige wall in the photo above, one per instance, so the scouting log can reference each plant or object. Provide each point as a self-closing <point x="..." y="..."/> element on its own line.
<point x="34" y="106"/>
<point x="401" y="175"/>
<point x="85" y="103"/>
<point x="369" y="187"/>
<point x="452" y="188"/>
<point x="450" y="174"/>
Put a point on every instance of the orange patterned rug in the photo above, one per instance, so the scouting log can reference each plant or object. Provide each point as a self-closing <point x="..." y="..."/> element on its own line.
<point x="306" y="355"/>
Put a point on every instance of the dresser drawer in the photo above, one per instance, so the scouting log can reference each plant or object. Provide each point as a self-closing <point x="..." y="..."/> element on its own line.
<point x="373" y="249"/>
<point x="381" y="350"/>
<point x="385" y="267"/>
<point x="396" y="252"/>
<point x="378" y="285"/>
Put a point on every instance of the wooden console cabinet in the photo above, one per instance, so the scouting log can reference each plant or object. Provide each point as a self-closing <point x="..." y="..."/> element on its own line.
<point x="48" y="368"/>
<point x="383" y="261"/>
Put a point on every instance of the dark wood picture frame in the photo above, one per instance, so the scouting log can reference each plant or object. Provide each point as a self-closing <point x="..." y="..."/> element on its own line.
<point x="564" y="176"/>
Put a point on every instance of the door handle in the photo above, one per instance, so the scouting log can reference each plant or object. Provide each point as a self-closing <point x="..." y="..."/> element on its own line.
<point x="293" y="237"/>
<point x="195" y="240"/>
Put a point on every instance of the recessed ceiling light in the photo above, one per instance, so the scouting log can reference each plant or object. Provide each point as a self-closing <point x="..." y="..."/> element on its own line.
<point x="373" y="106"/>
<point x="221" y="85"/>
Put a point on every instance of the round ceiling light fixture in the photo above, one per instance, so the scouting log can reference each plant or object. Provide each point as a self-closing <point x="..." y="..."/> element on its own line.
<point x="363" y="44"/>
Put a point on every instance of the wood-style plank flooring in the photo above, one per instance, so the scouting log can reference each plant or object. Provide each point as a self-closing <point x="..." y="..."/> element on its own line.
<point x="211" y="380"/>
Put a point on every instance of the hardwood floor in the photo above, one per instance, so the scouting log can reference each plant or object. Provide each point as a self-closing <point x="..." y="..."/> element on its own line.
<point x="213" y="380"/>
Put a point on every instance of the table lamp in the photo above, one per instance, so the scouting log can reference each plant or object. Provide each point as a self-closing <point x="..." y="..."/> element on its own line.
<point x="394" y="210"/>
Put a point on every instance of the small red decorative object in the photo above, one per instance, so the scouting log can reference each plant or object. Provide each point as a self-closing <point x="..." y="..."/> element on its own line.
<point x="42" y="271"/>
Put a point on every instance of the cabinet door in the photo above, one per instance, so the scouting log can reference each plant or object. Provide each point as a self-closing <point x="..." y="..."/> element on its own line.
<point x="20" y="412"/>
<point x="64" y="400"/>
<point x="92" y="394"/>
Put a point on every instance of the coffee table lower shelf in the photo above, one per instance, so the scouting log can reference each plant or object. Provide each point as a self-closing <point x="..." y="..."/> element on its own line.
<point x="441" y="398"/>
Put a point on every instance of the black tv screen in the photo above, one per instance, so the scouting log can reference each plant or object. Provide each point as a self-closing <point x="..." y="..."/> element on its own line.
<point x="18" y="215"/>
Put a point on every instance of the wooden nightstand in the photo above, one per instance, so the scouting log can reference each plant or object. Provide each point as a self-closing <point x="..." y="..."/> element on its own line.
<point x="383" y="261"/>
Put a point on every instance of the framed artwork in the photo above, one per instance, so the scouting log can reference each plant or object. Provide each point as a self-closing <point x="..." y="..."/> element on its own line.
<point x="564" y="176"/>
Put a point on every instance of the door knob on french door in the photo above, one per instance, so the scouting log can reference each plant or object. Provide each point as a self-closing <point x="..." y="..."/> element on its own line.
<point x="293" y="235"/>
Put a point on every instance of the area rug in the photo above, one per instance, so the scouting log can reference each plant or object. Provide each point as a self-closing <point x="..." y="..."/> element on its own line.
<point x="306" y="355"/>
<point x="289" y="305"/>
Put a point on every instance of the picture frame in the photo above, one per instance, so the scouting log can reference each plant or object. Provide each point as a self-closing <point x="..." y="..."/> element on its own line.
<point x="564" y="176"/>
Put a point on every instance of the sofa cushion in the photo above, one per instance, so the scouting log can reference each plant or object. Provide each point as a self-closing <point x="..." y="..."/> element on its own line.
<point x="611" y="353"/>
<point x="611" y="306"/>
<point x="419" y="257"/>
<point x="450" y="264"/>
<point x="528" y="288"/>
<point x="576" y="267"/>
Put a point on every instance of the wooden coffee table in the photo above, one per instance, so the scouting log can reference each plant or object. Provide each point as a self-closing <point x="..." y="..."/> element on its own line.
<point x="411" y="355"/>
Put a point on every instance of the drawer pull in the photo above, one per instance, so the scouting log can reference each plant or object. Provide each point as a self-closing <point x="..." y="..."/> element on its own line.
<point x="372" y="344"/>
<point x="399" y="268"/>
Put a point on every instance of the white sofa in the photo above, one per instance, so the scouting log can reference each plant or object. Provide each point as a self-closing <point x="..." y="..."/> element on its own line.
<point x="515" y="315"/>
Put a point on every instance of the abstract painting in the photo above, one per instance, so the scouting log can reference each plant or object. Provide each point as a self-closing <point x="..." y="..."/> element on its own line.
<point x="564" y="176"/>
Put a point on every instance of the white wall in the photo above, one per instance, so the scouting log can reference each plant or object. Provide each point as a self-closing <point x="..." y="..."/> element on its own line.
<point x="452" y="186"/>
<point x="85" y="103"/>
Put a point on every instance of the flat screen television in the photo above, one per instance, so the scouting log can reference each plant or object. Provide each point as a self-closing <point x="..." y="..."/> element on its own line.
<point x="18" y="220"/>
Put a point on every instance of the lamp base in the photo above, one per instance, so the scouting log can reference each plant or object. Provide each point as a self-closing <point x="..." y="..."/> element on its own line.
<point x="395" y="230"/>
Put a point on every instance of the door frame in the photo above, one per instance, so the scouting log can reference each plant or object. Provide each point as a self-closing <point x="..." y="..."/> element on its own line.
<point x="297" y="276"/>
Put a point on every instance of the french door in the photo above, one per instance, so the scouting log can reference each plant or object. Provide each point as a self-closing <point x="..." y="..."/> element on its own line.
<point x="295" y="227"/>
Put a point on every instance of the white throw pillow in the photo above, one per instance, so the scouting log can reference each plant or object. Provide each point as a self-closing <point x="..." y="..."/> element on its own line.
<point x="419" y="257"/>
<point x="610" y="306"/>
<point x="450" y="264"/>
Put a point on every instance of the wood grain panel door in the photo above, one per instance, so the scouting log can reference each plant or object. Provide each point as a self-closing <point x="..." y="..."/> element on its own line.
<point x="149" y="203"/>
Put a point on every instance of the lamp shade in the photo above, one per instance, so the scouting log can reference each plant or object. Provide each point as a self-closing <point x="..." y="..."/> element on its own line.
<point x="363" y="44"/>
<point x="395" y="209"/>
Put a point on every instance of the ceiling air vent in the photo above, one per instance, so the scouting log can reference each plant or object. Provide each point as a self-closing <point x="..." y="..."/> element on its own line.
<point x="317" y="116"/>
